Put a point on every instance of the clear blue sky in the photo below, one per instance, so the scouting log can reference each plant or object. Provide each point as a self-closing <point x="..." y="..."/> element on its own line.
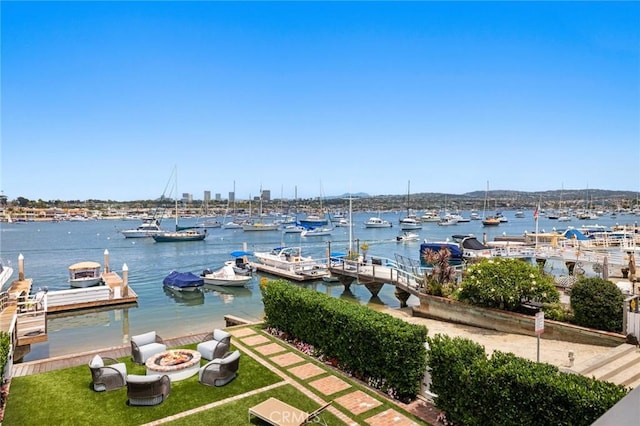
<point x="101" y="100"/>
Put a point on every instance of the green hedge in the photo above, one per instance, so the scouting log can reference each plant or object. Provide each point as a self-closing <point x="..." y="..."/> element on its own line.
<point x="5" y="343"/>
<point x="386" y="351"/>
<point x="505" y="389"/>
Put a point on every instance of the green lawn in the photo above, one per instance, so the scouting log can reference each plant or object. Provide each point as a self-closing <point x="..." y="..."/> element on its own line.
<point x="64" y="397"/>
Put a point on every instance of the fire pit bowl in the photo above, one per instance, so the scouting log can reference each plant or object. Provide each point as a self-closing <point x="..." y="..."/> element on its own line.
<point x="178" y="364"/>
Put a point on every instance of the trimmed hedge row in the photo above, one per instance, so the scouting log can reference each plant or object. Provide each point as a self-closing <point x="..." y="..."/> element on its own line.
<point x="388" y="352"/>
<point x="473" y="389"/>
<point x="5" y="346"/>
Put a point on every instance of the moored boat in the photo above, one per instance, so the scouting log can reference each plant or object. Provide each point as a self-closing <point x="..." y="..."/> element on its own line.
<point x="377" y="222"/>
<point x="289" y="262"/>
<point x="225" y="276"/>
<point x="182" y="281"/>
<point x="85" y="274"/>
<point x="179" y="236"/>
<point x="148" y="228"/>
<point x="5" y="273"/>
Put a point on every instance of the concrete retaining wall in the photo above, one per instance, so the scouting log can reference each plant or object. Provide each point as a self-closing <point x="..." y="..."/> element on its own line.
<point x="509" y="322"/>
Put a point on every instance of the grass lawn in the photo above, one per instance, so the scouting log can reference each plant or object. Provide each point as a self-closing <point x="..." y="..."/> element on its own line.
<point x="64" y="397"/>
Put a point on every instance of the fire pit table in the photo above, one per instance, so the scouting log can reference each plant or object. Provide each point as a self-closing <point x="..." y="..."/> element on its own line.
<point x="178" y="364"/>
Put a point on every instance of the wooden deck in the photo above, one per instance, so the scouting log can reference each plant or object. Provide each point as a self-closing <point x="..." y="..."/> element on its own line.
<point x="284" y="273"/>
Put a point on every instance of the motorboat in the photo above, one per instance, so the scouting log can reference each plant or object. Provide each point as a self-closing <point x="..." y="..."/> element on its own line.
<point x="182" y="281"/>
<point x="343" y="223"/>
<point x="293" y="229"/>
<point x="491" y="221"/>
<point x="260" y="226"/>
<point x="148" y="228"/>
<point x="85" y="274"/>
<point x="240" y="263"/>
<point x="178" y="236"/>
<point x="290" y="260"/>
<point x="313" y="220"/>
<point x="448" y="220"/>
<point x="6" y="271"/>
<point x="407" y="236"/>
<point x="225" y="276"/>
<point x="410" y="223"/>
<point x="377" y="222"/>
<point x="317" y="232"/>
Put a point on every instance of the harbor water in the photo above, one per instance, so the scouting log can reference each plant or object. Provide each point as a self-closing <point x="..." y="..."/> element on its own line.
<point x="50" y="247"/>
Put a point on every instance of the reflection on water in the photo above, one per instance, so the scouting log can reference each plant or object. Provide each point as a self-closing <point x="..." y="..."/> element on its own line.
<point x="187" y="298"/>
<point x="227" y="294"/>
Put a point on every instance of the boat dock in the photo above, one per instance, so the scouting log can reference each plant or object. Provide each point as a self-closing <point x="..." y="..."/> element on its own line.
<point x="285" y="273"/>
<point x="23" y="315"/>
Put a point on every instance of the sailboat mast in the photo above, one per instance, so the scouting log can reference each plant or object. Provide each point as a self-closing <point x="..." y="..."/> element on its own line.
<point x="175" y="187"/>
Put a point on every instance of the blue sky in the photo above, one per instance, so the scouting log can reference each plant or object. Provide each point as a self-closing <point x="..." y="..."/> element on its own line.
<point x="101" y="100"/>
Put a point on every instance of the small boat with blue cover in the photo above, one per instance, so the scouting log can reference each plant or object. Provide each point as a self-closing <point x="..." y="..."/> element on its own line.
<point x="183" y="281"/>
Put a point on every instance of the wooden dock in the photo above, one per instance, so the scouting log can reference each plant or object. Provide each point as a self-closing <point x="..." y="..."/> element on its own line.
<point x="285" y="273"/>
<point x="112" y="293"/>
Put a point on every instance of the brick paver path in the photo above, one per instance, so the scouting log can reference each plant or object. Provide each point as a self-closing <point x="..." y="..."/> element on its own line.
<point x="242" y="332"/>
<point x="390" y="417"/>
<point x="357" y="402"/>
<point x="286" y="359"/>
<point x="306" y="371"/>
<point x="330" y="385"/>
<point x="254" y="340"/>
<point x="269" y="349"/>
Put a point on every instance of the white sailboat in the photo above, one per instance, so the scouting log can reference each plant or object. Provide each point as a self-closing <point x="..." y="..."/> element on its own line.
<point x="180" y="234"/>
<point x="409" y="222"/>
<point x="259" y="224"/>
<point x="233" y="223"/>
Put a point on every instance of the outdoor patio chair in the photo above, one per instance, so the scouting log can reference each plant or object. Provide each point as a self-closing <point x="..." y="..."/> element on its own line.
<point x="107" y="374"/>
<point x="147" y="390"/>
<point x="146" y="345"/>
<point x="278" y="413"/>
<point x="214" y="345"/>
<point x="220" y="371"/>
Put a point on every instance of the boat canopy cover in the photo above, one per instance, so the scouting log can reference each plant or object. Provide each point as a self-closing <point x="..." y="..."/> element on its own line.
<point x="84" y="265"/>
<point x="183" y="279"/>
<point x="472" y="243"/>
<point x="240" y="253"/>
<point x="456" y="252"/>
<point x="569" y="234"/>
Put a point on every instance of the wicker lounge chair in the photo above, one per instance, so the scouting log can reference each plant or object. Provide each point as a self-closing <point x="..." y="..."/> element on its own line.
<point x="146" y="345"/>
<point x="107" y="374"/>
<point x="278" y="413"/>
<point x="147" y="390"/>
<point x="214" y="345"/>
<point x="220" y="371"/>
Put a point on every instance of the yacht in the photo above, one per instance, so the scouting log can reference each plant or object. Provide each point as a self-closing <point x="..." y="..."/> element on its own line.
<point x="376" y="222"/>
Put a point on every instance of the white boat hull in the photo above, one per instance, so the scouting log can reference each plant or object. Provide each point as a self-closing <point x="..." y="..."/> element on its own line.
<point x="238" y="281"/>
<point x="85" y="282"/>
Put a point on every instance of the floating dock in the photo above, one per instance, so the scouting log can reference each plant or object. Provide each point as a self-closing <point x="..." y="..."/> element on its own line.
<point x="285" y="273"/>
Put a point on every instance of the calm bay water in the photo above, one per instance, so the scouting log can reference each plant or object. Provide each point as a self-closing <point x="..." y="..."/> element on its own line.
<point x="49" y="248"/>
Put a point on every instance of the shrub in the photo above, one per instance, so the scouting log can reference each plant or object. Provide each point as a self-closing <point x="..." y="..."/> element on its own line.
<point x="5" y="343"/>
<point x="505" y="283"/>
<point x="474" y="389"/>
<point x="387" y="352"/>
<point x="597" y="303"/>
